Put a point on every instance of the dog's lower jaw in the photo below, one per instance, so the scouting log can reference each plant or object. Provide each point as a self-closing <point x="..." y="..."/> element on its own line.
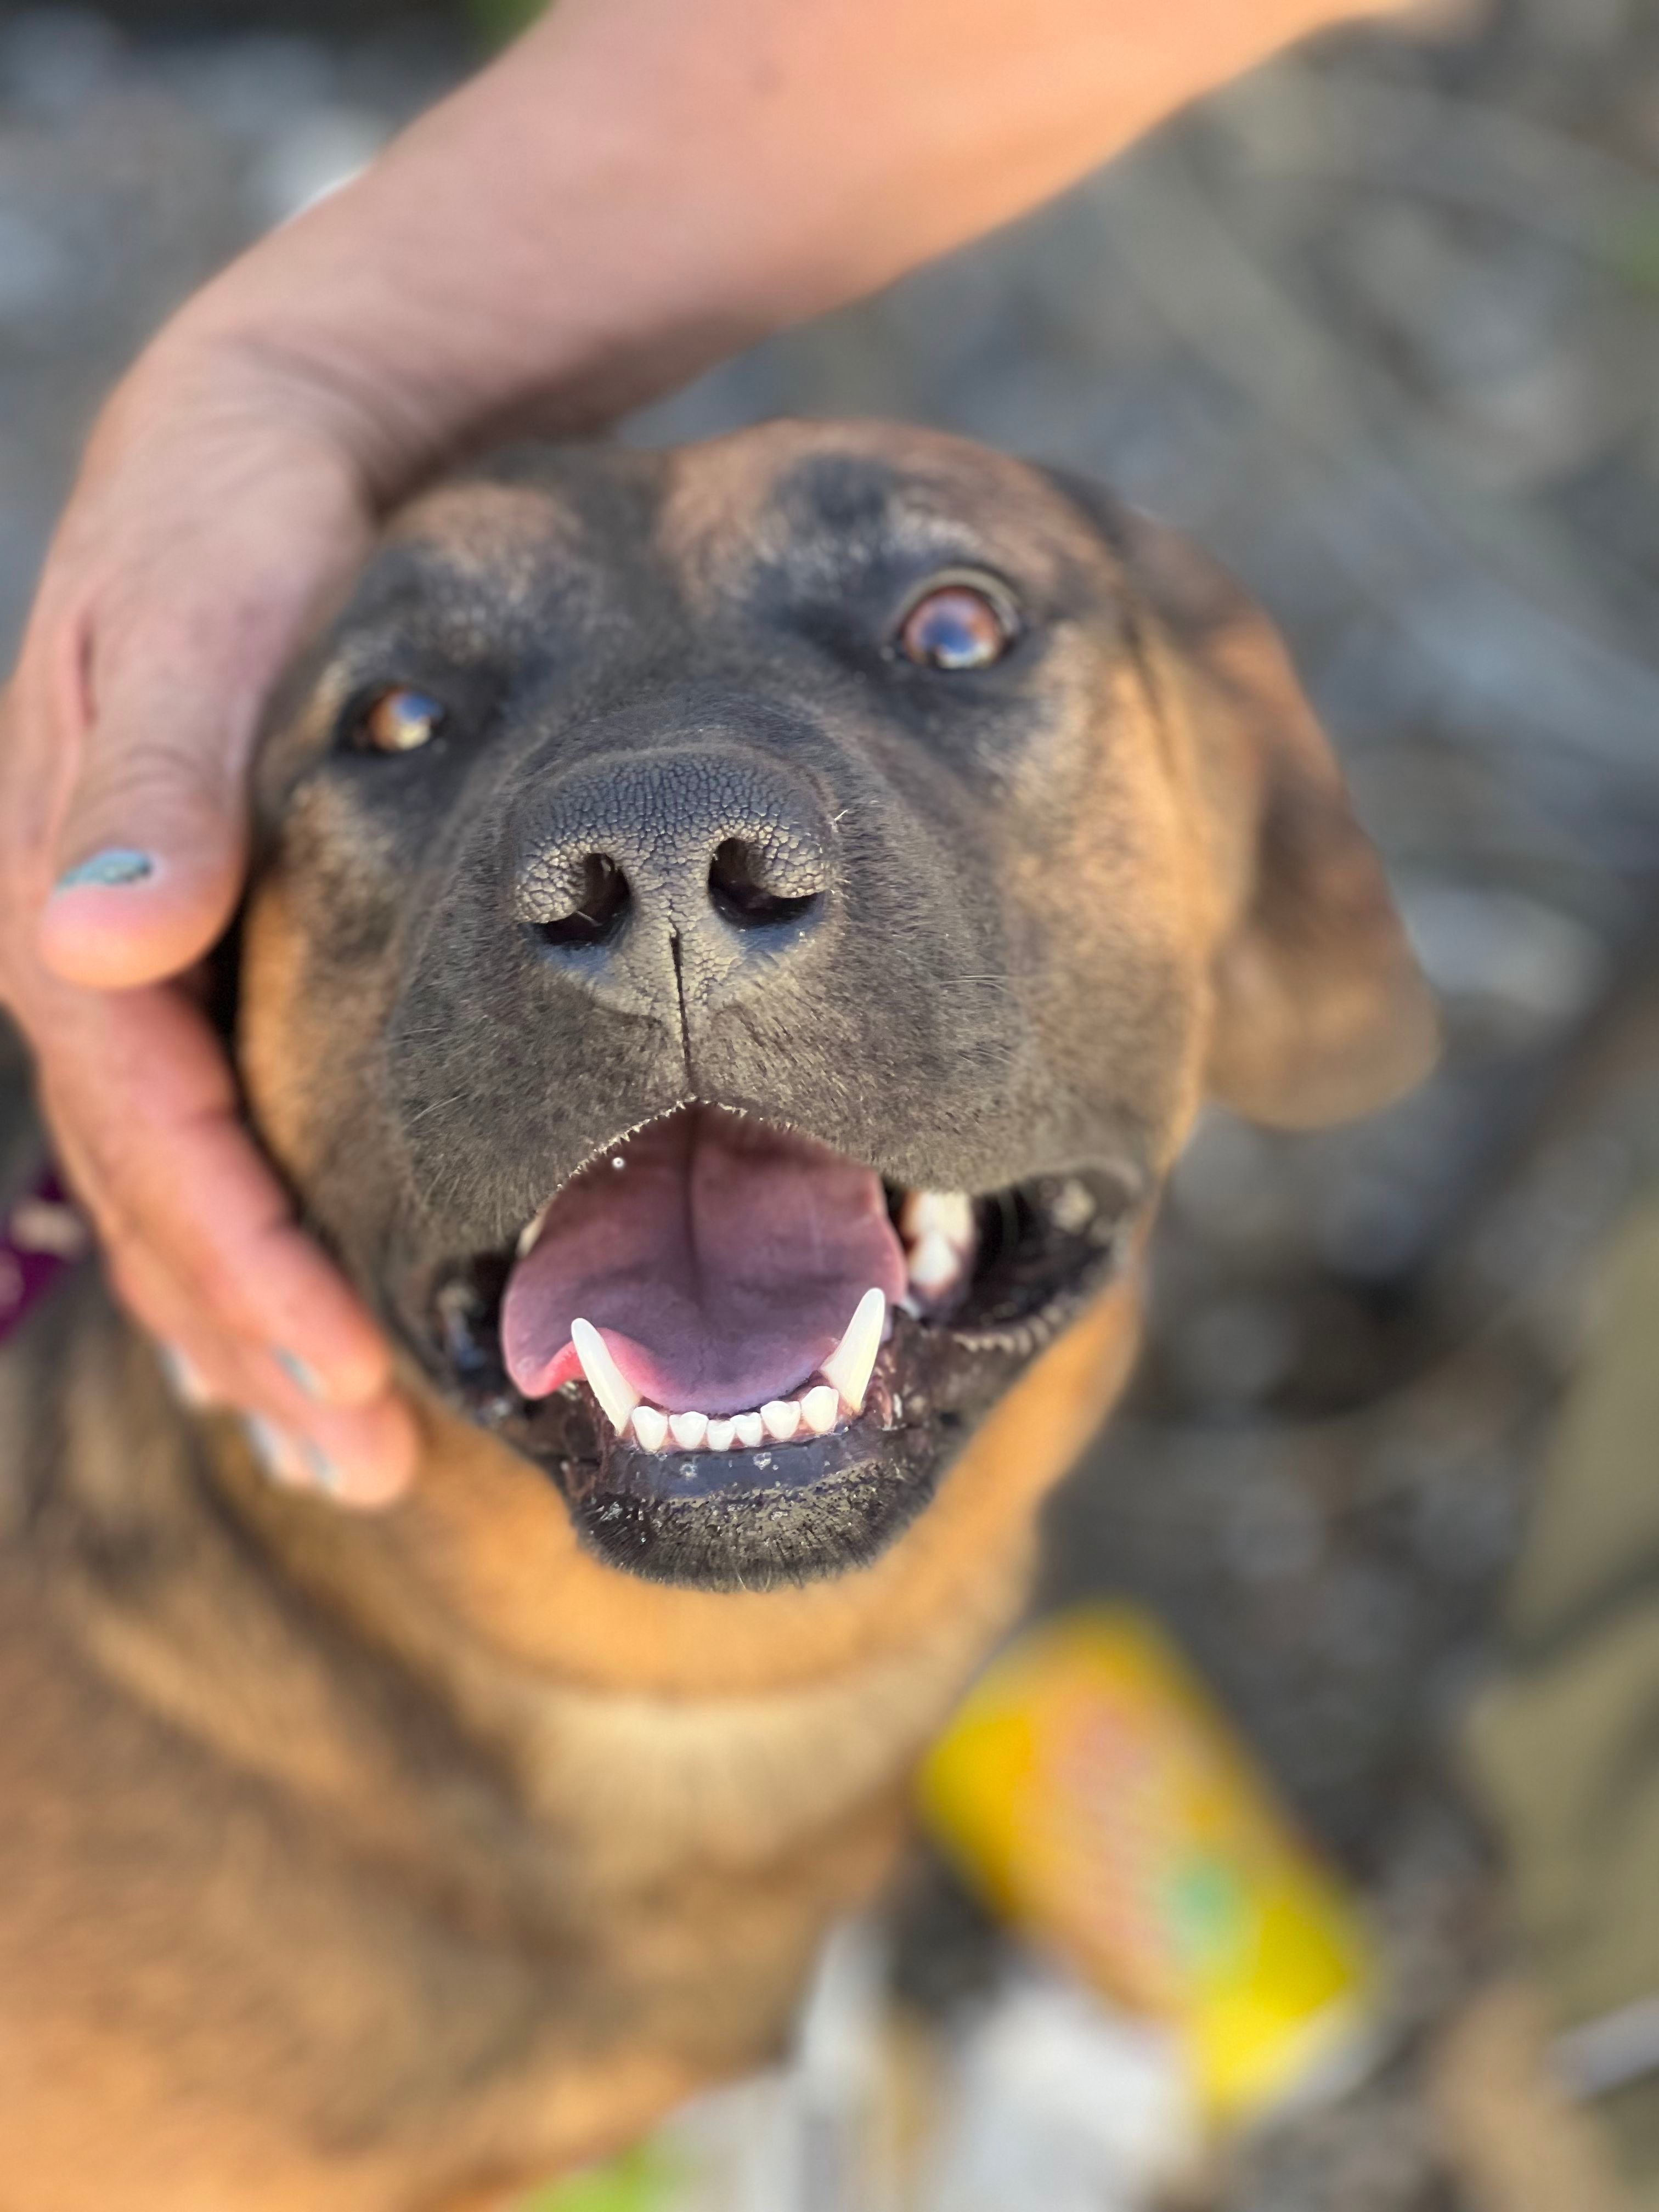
<point x="486" y="1543"/>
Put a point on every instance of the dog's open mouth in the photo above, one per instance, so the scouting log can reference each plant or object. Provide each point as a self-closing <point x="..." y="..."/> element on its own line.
<point x="719" y="1313"/>
<point x="716" y="1281"/>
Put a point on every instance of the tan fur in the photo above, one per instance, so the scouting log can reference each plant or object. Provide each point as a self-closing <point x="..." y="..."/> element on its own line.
<point x="388" y="1863"/>
<point x="718" y="1770"/>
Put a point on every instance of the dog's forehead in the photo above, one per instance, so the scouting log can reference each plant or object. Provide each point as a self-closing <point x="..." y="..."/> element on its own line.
<point x="500" y="539"/>
<point x="791" y="489"/>
<point x="489" y="565"/>
<point x="612" y="531"/>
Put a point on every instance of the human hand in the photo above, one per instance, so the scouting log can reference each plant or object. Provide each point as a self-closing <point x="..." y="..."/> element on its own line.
<point x="216" y="514"/>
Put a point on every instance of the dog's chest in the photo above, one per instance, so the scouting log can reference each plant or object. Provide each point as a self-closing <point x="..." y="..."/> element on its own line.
<point x="442" y="1915"/>
<point x="436" y="1958"/>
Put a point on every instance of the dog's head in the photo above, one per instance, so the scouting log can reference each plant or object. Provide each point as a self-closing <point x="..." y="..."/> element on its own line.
<point x="741" y="934"/>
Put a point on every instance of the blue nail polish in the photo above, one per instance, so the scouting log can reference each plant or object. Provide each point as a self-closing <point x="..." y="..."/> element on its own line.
<point x="324" y="1473"/>
<point x="184" y="1378"/>
<point x="298" y="1373"/>
<point x="274" y="1451"/>
<point x="115" y="869"/>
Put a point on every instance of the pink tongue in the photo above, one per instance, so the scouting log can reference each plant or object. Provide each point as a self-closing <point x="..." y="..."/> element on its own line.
<point x="720" y="1261"/>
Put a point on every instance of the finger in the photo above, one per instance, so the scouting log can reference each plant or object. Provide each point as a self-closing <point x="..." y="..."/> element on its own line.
<point x="151" y="840"/>
<point x="153" y="852"/>
<point x="139" y="1087"/>
<point x="172" y="661"/>
<point x="362" y="1457"/>
<point x="186" y="1381"/>
<point x="209" y="1365"/>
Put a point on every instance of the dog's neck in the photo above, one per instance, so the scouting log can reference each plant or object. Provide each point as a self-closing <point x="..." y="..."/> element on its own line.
<point x="485" y="1549"/>
<point x="285" y="1631"/>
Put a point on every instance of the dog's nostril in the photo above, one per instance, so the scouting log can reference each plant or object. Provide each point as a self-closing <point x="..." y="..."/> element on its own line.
<point x="740" y="896"/>
<point x="603" y="900"/>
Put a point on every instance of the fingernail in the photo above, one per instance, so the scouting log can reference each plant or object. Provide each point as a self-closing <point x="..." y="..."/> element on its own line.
<point x="324" y="1473"/>
<point x="185" y="1381"/>
<point x="298" y="1373"/>
<point x="278" y="1452"/>
<point x="113" y="869"/>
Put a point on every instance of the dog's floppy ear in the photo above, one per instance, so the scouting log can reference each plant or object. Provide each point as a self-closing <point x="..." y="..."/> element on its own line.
<point x="1321" y="1012"/>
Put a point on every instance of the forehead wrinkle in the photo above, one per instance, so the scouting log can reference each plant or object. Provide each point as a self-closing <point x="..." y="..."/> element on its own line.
<point x="472" y="570"/>
<point x="709" y="515"/>
<point x="719" y="499"/>
<point x="499" y="539"/>
<point x="747" y="502"/>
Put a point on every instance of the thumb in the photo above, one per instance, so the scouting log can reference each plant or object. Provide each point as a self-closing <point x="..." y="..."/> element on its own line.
<point x="151" y="846"/>
<point x="180" y="654"/>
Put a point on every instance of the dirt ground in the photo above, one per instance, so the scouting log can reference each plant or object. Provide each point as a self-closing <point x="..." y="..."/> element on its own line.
<point x="1380" y="325"/>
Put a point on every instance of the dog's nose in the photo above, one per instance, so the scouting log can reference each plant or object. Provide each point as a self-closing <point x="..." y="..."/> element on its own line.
<point x="688" y="876"/>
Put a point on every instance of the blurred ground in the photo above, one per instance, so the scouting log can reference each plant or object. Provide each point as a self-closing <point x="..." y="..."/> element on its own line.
<point x="1381" y="326"/>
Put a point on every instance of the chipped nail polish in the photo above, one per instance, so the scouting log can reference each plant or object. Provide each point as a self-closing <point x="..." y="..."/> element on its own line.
<point x="184" y="1379"/>
<point x="115" y="868"/>
<point x="276" y="1453"/>
<point x="301" y="1375"/>
<point x="324" y="1473"/>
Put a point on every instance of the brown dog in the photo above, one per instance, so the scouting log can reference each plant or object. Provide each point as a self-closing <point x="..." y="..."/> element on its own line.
<point x="737" y="937"/>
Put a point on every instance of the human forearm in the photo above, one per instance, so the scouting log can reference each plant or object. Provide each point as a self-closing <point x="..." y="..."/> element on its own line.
<point x="639" y="186"/>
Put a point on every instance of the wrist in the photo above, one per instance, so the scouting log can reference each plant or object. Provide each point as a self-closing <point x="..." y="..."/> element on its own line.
<point x="633" y="190"/>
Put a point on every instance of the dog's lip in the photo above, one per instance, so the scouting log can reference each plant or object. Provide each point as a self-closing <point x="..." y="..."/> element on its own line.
<point x="935" y="1376"/>
<point x="710" y="1267"/>
<point x="932" y="1384"/>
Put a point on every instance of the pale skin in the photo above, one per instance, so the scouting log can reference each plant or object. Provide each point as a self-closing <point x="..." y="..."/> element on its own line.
<point x="635" y="189"/>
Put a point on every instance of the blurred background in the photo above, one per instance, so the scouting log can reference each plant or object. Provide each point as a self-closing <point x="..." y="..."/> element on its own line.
<point x="1380" y="325"/>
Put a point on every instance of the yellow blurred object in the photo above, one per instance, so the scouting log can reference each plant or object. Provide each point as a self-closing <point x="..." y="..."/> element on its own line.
<point x="1092" y="1791"/>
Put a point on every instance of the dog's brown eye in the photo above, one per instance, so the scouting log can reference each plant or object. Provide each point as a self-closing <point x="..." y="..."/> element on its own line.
<point x="399" y="720"/>
<point x="958" y="625"/>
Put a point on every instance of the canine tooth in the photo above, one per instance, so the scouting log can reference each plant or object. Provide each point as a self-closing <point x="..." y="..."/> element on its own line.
<point x="605" y="1379"/>
<point x="531" y="1231"/>
<point x="687" y="1430"/>
<point x="935" y="1264"/>
<point x="650" y="1427"/>
<point x="750" y="1429"/>
<point x="820" y="1408"/>
<point x="946" y="1213"/>
<point x="720" y="1434"/>
<point x="781" y="1418"/>
<point x="849" y="1366"/>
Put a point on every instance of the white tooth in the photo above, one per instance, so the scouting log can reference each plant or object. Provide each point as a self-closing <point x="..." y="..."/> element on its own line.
<point x="946" y="1213"/>
<point x="820" y="1409"/>
<point x="934" y="1264"/>
<point x="689" y="1430"/>
<point x="650" y="1427"/>
<point x="531" y="1231"/>
<point x="781" y="1417"/>
<point x="849" y="1365"/>
<point x="720" y="1434"/>
<point x="605" y="1379"/>
<point x="750" y="1429"/>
